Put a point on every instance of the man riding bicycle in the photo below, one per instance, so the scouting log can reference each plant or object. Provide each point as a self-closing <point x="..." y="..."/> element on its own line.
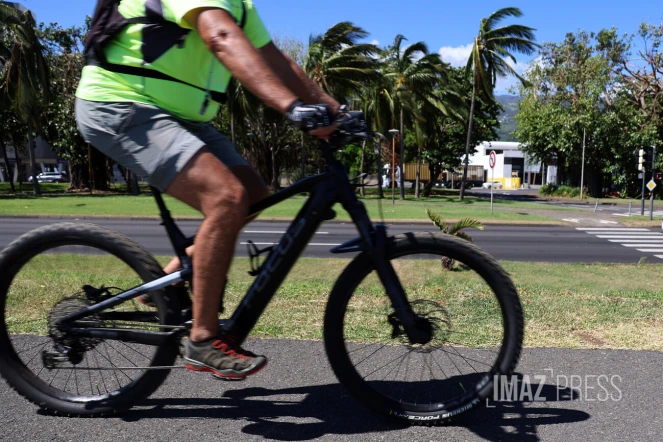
<point x="146" y="99"/>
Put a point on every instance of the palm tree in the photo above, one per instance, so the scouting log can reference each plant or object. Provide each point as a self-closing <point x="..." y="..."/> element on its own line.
<point x="341" y="65"/>
<point x="338" y="63"/>
<point x="25" y="73"/>
<point x="488" y="60"/>
<point x="454" y="230"/>
<point x="412" y="75"/>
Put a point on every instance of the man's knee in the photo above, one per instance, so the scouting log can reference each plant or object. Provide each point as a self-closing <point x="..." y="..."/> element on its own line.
<point x="230" y="203"/>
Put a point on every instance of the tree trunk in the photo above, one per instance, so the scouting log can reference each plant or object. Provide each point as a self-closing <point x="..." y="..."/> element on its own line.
<point x="469" y="140"/>
<point x="303" y="174"/>
<point x="99" y="168"/>
<point x="275" y="168"/>
<point x="402" y="160"/>
<point x="10" y="172"/>
<point x="19" y="169"/>
<point x="231" y="109"/>
<point x="134" y="183"/>
<point x="417" y="183"/>
<point x="378" y="159"/>
<point x="31" y="150"/>
<point x="361" y="168"/>
<point x="435" y="170"/>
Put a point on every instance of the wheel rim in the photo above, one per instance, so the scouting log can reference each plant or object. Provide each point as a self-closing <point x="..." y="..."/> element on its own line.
<point x="450" y="372"/>
<point x="46" y="279"/>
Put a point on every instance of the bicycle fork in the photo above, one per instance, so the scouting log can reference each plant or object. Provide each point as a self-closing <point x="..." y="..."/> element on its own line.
<point x="395" y="291"/>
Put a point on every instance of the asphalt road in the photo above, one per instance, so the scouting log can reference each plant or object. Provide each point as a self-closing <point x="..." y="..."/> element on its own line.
<point x="297" y="398"/>
<point x="515" y="243"/>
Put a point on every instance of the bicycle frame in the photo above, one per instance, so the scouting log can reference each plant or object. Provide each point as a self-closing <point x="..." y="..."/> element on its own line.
<point x="325" y="190"/>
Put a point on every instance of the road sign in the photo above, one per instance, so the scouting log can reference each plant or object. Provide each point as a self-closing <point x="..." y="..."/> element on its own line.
<point x="492" y="159"/>
<point x="651" y="185"/>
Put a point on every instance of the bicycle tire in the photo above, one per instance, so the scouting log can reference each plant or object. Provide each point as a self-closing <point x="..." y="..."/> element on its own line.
<point x="36" y="390"/>
<point x="444" y="246"/>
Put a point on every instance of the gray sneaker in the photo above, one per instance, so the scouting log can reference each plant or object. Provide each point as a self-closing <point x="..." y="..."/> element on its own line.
<point x="222" y="358"/>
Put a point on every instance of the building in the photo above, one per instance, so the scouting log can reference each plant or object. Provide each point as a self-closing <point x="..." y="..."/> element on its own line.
<point x="46" y="159"/>
<point x="512" y="168"/>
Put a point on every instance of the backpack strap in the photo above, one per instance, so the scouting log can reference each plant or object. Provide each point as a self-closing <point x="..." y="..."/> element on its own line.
<point x="92" y="60"/>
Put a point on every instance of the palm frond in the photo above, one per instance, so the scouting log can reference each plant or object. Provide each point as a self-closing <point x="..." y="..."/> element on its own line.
<point x="499" y="15"/>
<point x="467" y="223"/>
<point x="437" y="221"/>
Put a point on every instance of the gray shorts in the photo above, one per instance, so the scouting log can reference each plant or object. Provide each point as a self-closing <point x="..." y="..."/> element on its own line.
<point x="148" y="140"/>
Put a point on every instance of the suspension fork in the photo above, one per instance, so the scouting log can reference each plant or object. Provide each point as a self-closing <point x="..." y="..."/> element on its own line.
<point x="395" y="290"/>
<point x="375" y="243"/>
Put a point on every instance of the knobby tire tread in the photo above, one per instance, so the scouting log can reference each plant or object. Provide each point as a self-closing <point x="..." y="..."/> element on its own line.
<point x="130" y="252"/>
<point x="453" y="247"/>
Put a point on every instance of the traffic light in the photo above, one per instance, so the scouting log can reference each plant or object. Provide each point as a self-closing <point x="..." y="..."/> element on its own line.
<point x="658" y="175"/>
<point x="646" y="158"/>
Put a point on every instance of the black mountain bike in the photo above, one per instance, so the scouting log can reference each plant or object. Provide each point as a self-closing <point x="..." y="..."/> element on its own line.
<point x="406" y="337"/>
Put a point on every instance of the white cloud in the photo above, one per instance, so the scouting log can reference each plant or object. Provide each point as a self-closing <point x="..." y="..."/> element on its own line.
<point x="375" y="42"/>
<point x="456" y="56"/>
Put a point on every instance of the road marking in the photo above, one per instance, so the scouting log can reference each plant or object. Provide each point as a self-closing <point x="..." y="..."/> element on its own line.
<point x="644" y="245"/>
<point x="659" y="256"/>
<point x="277" y="232"/>
<point x="651" y="250"/>
<point x="275" y="243"/>
<point x="634" y="236"/>
<point x="609" y="222"/>
<point x="611" y="229"/>
<point x="637" y="240"/>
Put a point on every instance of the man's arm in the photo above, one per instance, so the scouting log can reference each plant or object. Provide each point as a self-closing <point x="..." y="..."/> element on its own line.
<point x="292" y="75"/>
<point x="228" y="43"/>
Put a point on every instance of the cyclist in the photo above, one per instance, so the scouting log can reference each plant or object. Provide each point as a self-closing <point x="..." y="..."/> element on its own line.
<point x="146" y="98"/>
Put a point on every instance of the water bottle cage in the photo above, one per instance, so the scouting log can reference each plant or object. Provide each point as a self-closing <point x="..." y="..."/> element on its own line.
<point x="254" y="257"/>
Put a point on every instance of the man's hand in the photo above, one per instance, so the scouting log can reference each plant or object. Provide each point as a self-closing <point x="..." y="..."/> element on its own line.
<point x="316" y="119"/>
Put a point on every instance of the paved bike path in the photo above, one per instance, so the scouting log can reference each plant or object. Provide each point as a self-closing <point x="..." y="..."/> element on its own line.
<point x="619" y="397"/>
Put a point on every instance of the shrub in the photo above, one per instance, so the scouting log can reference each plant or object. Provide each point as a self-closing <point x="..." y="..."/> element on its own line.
<point x="548" y="189"/>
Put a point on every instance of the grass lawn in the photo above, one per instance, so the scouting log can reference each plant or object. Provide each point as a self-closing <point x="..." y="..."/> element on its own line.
<point x="445" y="203"/>
<point x="565" y="305"/>
<point x="641" y="221"/>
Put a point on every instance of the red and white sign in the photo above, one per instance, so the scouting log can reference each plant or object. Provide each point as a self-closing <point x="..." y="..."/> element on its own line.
<point x="492" y="159"/>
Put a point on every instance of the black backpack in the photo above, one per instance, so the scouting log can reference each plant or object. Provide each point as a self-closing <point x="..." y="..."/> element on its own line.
<point x="107" y="22"/>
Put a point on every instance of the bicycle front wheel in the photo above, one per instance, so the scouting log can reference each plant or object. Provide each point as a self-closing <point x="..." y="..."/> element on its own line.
<point x="458" y="293"/>
<point x="57" y="270"/>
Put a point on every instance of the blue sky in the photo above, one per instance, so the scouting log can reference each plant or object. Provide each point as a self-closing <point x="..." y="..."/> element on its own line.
<point x="446" y="26"/>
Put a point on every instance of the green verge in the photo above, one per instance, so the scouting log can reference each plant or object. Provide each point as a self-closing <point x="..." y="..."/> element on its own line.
<point x="565" y="305"/>
<point x="117" y="205"/>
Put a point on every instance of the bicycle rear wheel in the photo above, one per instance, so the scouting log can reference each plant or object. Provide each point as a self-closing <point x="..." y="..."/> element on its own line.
<point x="460" y="294"/>
<point x="57" y="270"/>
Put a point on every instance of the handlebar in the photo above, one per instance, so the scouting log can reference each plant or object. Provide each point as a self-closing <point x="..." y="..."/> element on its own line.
<point x="352" y="126"/>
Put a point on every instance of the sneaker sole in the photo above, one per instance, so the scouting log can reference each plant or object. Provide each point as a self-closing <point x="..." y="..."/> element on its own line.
<point x="221" y="374"/>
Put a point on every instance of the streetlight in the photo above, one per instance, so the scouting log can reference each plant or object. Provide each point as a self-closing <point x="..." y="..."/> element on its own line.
<point x="394" y="133"/>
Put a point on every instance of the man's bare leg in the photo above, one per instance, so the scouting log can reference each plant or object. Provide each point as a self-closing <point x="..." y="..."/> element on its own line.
<point x="257" y="192"/>
<point x="210" y="187"/>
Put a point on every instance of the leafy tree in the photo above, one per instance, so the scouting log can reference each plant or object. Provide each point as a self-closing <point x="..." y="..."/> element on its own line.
<point x="491" y="52"/>
<point x="88" y="167"/>
<point x="339" y="63"/>
<point x="25" y="74"/>
<point x="571" y="90"/>
<point x="445" y="135"/>
<point x="412" y="75"/>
